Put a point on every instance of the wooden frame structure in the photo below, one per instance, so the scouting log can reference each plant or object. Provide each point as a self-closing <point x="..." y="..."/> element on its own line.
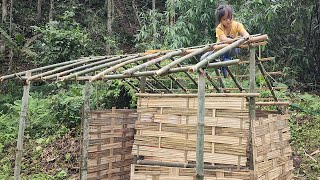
<point x="152" y="65"/>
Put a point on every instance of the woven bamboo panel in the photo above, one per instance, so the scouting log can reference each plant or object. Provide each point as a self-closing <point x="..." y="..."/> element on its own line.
<point x="167" y="130"/>
<point x="145" y="172"/>
<point x="110" y="143"/>
<point x="272" y="149"/>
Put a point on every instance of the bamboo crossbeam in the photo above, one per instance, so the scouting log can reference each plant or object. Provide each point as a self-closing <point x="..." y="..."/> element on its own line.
<point x="270" y="73"/>
<point x="260" y="59"/>
<point x="58" y="69"/>
<point x="211" y="57"/>
<point x="196" y="95"/>
<point x="273" y="103"/>
<point x="2" y="78"/>
<point x="76" y="69"/>
<point x="113" y="68"/>
<point x="166" y="68"/>
<point x="98" y="67"/>
<point x="152" y="62"/>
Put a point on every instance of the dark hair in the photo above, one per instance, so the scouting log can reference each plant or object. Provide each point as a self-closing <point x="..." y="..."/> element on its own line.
<point x="221" y="11"/>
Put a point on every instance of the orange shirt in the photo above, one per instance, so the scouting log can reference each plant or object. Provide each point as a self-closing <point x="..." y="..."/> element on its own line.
<point x="236" y="29"/>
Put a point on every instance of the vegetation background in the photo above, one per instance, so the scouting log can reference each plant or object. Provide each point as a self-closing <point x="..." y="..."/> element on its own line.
<point x="36" y="33"/>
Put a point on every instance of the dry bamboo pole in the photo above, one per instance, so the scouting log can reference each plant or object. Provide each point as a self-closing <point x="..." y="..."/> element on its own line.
<point x="166" y="68"/>
<point x="183" y="165"/>
<point x="200" y="126"/>
<point x="44" y="68"/>
<point x="211" y="57"/>
<point x="22" y="123"/>
<point x="151" y="73"/>
<point x="196" y="95"/>
<point x="152" y="62"/>
<point x="57" y="70"/>
<point x="98" y="67"/>
<point x="252" y="111"/>
<point x="260" y="59"/>
<point x="77" y="68"/>
<point x="113" y="68"/>
<point x="85" y="135"/>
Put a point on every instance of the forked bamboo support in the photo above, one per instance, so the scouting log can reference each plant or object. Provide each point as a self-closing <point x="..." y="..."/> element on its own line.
<point x="85" y="135"/>
<point x="22" y="124"/>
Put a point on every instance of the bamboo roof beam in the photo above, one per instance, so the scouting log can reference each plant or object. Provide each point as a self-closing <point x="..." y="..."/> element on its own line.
<point x="59" y="69"/>
<point x="115" y="67"/>
<point x="211" y="57"/>
<point x="152" y="62"/>
<point x="51" y="66"/>
<point x="76" y="69"/>
<point x="98" y="67"/>
<point x="166" y="68"/>
<point x="131" y="85"/>
<point x="186" y="73"/>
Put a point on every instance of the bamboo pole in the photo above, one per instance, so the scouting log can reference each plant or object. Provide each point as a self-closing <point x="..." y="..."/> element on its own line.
<point x="211" y="57"/>
<point x="259" y="59"/>
<point x="115" y="67"/>
<point x="166" y="68"/>
<point x="46" y="67"/>
<point x="200" y="126"/>
<point x="196" y="95"/>
<point x="99" y="67"/>
<point x="77" y="68"/>
<point x="252" y="111"/>
<point x="58" y="69"/>
<point x="22" y="123"/>
<point x="186" y="73"/>
<point x="85" y="136"/>
<point x="152" y="62"/>
<point x="234" y="79"/>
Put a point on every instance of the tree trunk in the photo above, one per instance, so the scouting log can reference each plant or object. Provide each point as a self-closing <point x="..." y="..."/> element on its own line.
<point x="4" y="10"/>
<point x="154" y="20"/>
<point x="51" y="10"/>
<point x="39" y="10"/>
<point x="172" y="12"/>
<point x="11" y="17"/>
<point x="109" y="7"/>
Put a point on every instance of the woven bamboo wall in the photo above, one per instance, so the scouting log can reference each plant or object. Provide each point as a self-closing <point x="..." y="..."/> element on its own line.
<point x="166" y="130"/>
<point x="142" y="172"/>
<point x="110" y="142"/>
<point x="272" y="150"/>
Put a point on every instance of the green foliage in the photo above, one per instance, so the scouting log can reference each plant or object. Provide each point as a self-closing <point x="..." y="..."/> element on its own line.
<point x="194" y="25"/>
<point x="305" y="134"/>
<point x="61" y="41"/>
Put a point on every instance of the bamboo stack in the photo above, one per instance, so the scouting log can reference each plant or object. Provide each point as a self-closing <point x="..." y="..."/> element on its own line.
<point x="110" y="142"/>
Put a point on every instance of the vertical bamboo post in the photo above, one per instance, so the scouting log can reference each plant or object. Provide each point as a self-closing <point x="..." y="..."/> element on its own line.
<point x="200" y="126"/>
<point x="252" y="110"/>
<point x="22" y="123"/>
<point x="85" y="135"/>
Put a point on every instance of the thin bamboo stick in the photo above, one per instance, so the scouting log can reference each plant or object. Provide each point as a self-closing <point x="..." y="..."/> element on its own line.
<point x="260" y="59"/>
<point x="22" y="123"/>
<point x="152" y="62"/>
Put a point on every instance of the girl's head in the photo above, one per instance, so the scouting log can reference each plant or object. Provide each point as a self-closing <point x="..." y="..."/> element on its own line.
<point x="224" y="15"/>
